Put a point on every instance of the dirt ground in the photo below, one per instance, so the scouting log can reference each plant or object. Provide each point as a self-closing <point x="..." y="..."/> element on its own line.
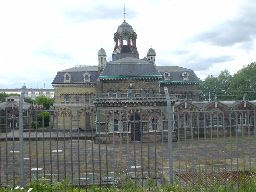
<point x="85" y="162"/>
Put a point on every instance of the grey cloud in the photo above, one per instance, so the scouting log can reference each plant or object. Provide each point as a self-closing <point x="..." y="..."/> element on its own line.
<point x="200" y="64"/>
<point x="98" y="12"/>
<point x="241" y="29"/>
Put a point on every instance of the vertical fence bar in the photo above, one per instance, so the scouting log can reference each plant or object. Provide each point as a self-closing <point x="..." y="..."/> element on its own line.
<point x="205" y="151"/>
<point x="50" y="143"/>
<point x="13" y="146"/>
<point x="162" y="146"/>
<point x="236" y="120"/>
<point x="6" y="148"/>
<point x="170" y="129"/>
<point x="0" y="150"/>
<point x="230" y="135"/>
<point x="113" y="142"/>
<point x="37" y="145"/>
<point x="141" y="151"/>
<point x="30" y="120"/>
<point x="21" y="142"/>
<point x="192" y="149"/>
<point x="106" y="144"/>
<point x="249" y="138"/>
<point x="98" y="128"/>
<point x="43" y="127"/>
<point x="64" y="146"/>
<point x="179" y="145"/>
<point x="224" y="148"/>
<point x="71" y="149"/>
<point x="85" y="149"/>
<point x="92" y="147"/>
<point x="78" y="151"/>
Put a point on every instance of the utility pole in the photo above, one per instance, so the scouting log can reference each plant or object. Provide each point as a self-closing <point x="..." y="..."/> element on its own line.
<point x="169" y="110"/>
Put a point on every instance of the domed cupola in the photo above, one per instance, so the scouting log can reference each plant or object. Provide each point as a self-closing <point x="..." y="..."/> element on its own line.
<point x="151" y="55"/>
<point x="125" y="42"/>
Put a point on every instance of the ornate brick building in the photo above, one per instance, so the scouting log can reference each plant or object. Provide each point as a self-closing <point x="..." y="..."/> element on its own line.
<point x="127" y="82"/>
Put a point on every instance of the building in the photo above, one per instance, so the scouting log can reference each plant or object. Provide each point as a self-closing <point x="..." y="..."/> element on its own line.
<point x="9" y="114"/>
<point x="126" y="81"/>
<point x="30" y="92"/>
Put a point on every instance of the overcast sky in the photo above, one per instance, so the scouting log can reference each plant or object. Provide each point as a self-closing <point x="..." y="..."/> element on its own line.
<point x="40" y="37"/>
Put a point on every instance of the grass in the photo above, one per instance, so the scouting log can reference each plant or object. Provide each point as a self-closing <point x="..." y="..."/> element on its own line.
<point x="131" y="186"/>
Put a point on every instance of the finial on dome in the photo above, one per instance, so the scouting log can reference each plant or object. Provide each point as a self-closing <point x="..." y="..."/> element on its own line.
<point x="124" y="12"/>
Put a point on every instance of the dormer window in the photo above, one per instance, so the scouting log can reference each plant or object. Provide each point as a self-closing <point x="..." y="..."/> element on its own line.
<point x="67" y="78"/>
<point x="185" y="76"/>
<point x="167" y="76"/>
<point x="87" y="77"/>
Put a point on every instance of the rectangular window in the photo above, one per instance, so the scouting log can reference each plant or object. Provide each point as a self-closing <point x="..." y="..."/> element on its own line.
<point x="87" y="98"/>
<point x="115" y="124"/>
<point x="67" y="98"/>
<point x="154" y="124"/>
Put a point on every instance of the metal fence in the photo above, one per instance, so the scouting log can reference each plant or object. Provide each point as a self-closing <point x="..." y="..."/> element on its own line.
<point x="207" y="147"/>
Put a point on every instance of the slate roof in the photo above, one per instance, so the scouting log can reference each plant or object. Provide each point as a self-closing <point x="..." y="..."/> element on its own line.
<point x="77" y="75"/>
<point x="130" y="67"/>
<point x="176" y="73"/>
<point x="125" y="27"/>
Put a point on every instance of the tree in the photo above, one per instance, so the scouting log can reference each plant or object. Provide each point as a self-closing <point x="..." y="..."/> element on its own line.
<point x="218" y="87"/>
<point x="29" y="100"/>
<point x="45" y="101"/>
<point x="244" y="83"/>
<point x="3" y="96"/>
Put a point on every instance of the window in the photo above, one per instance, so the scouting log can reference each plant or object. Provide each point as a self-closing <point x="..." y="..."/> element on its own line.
<point x="115" y="124"/>
<point x="87" y="77"/>
<point x="215" y="120"/>
<point x="167" y="76"/>
<point x="67" y="78"/>
<point x="77" y="98"/>
<point x="87" y="98"/>
<point x="67" y="98"/>
<point x="154" y="124"/>
<point x="185" y="75"/>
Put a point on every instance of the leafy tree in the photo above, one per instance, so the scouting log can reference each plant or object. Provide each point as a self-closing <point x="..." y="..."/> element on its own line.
<point x="244" y="83"/>
<point x="45" y="101"/>
<point x="29" y="100"/>
<point x="44" y="117"/>
<point x="3" y="96"/>
<point x="218" y="87"/>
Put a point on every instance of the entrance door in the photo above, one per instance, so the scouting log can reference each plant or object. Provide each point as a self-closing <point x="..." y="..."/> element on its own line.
<point x="135" y="127"/>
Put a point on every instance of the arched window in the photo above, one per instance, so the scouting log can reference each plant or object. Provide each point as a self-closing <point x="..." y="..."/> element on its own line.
<point x="87" y="77"/>
<point x="67" y="78"/>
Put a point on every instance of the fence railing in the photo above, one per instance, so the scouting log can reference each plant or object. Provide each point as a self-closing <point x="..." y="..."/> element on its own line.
<point x="207" y="146"/>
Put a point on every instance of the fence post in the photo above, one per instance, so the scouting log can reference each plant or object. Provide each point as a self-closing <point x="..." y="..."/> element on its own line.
<point x="21" y="142"/>
<point x="169" y="109"/>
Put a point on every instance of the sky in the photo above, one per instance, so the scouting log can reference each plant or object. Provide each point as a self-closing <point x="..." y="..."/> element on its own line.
<point x="40" y="37"/>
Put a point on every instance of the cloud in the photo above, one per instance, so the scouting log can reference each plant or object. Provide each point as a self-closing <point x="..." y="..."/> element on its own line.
<point x="54" y="55"/>
<point x="241" y="29"/>
<point x="98" y="12"/>
<point x="200" y="64"/>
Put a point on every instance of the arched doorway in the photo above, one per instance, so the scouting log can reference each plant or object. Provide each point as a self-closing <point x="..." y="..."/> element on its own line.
<point x="135" y="127"/>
